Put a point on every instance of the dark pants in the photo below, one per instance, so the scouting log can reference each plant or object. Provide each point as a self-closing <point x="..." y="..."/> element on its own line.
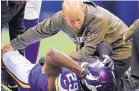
<point x="132" y="83"/>
<point x="120" y="67"/>
<point x="12" y="14"/>
<point x="135" y="54"/>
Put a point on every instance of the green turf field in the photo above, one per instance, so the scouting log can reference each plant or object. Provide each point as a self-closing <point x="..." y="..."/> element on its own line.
<point x="59" y="41"/>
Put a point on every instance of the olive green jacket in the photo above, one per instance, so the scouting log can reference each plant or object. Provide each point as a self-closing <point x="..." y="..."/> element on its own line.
<point x="99" y="25"/>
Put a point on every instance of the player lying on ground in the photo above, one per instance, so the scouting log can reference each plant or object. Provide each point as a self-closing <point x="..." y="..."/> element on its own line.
<point x="62" y="73"/>
<point x="87" y="25"/>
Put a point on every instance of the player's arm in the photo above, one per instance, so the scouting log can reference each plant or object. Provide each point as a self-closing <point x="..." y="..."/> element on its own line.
<point x="60" y="59"/>
<point x="55" y="60"/>
<point x="94" y="36"/>
<point x="44" y="29"/>
<point x="128" y="34"/>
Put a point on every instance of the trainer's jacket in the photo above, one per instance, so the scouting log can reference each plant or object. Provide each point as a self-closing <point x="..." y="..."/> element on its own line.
<point x="99" y="25"/>
<point x="131" y="29"/>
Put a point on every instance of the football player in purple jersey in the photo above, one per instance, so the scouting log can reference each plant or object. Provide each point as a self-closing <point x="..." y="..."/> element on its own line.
<point x="59" y="73"/>
<point x="87" y="25"/>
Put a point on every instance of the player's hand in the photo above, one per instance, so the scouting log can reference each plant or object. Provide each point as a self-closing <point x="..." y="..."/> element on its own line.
<point x="108" y="62"/>
<point x="6" y="48"/>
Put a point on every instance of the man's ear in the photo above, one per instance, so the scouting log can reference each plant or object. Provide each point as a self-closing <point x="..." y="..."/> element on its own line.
<point x="63" y="15"/>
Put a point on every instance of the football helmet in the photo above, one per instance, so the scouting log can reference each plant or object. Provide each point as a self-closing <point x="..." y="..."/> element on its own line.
<point x="99" y="77"/>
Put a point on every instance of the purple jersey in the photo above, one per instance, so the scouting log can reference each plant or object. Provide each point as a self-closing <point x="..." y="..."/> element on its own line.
<point x="66" y="81"/>
<point x="37" y="80"/>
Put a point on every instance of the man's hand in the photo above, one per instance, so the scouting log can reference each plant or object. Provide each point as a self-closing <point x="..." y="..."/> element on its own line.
<point x="127" y="38"/>
<point x="6" y="48"/>
<point x="127" y="35"/>
<point x="108" y="62"/>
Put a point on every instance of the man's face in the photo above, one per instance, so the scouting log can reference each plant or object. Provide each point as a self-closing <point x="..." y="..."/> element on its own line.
<point x="75" y="20"/>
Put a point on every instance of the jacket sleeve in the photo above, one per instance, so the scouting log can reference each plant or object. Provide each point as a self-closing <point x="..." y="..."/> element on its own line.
<point x="44" y="29"/>
<point x="131" y="29"/>
<point x="96" y="32"/>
